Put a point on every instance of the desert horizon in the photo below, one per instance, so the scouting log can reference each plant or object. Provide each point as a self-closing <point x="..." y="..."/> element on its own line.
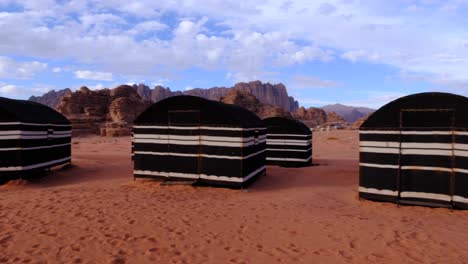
<point x="94" y="212"/>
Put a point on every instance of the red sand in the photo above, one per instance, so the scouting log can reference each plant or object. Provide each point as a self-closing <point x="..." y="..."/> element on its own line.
<point x="94" y="212"/>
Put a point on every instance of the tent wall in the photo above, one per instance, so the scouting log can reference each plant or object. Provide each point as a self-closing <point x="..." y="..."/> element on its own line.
<point x="422" y="158"/>
<point x="33" y="146"/>
<point x="220" y="155"/>
<point x="289" y="142"/>
<point x="289" y="149"/>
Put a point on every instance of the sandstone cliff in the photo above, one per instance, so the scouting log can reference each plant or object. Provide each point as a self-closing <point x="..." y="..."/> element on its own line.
<point x="311" y="117"/>
<point x="248" y="101"/>
<point x="51" y="98"/>
<point x="106" y="112"/>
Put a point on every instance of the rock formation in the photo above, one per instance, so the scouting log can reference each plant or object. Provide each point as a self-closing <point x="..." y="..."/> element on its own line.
<point x="52" y="98"/>
<point x="311" y="117"/>
<point x="106" y="112"/>
<point x="272" y="94"/>
<point x="334" y="118"/>
<point x="248" y="101"/>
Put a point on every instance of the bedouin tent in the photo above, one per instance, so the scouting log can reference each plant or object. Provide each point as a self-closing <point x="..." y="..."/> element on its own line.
<point x="414" y="150"/>
<point x="32" y="137"/>
<point x="289" y="142"/>
<point x="192" y="138"/>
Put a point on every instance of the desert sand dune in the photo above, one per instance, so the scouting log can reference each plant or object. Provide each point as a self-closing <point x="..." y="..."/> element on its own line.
<point x="93" y="212"/>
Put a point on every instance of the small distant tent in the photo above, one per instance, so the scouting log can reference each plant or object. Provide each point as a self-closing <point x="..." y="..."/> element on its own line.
<point x="195" y="139"/>
<point x="414" y="150"/>
<point x="32" y="137"/>
<point x="289" y="142"/>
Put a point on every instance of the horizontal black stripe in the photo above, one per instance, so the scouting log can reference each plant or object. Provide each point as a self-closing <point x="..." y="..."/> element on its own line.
<point x="425" y="181"/>
<point x="34" y="128"/>
<point x="461" y="139"/>
<point x="196" y="132"/>
<point x="274" y="146"/>
<point x="407" y="138"/>
<point x="202" y="149"/>
<point x="289" y="154"/>
<point x="426" y="161"/>
<point x="378" y="178"/>
<point x="32" y="157"/>
<point x="461" y="163"/>
<point x="378" y="197"/>
<point x="302" y="137"/>
<point x="379" y="158"/>
<point x="461" y="184"/>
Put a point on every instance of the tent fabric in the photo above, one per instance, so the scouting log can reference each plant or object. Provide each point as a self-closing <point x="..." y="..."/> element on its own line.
<point x="289" y="142"/>
<point x="32" y="137"/>
<point x="192" y="138"/>
<point x="414" y="150"/>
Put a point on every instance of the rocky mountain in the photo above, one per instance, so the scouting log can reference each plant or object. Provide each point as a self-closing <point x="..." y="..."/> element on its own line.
<point x="311" y="117"/>
<point x="105" y="112"/>
<point x="350" y="113"/>
<point x="51" y="98"/>
<point x="248" y="101"/>
<point x="272" y="94"/>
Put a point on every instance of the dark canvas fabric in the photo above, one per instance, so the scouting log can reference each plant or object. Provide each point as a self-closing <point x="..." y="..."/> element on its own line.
<point x="191" y="138"/>
<point x="414" y="150"/>
<point x="32" y="137"/>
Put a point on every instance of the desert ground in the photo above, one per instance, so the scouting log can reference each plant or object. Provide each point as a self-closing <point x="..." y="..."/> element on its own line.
<point x="93" y="212"/>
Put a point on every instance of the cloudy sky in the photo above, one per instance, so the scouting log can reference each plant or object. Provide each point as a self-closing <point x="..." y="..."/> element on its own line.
<point x="358" y="52"/>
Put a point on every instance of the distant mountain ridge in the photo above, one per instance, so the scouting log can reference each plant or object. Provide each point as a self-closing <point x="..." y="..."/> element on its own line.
<point x="272" y="94"/>
<point x="350" y="113"/>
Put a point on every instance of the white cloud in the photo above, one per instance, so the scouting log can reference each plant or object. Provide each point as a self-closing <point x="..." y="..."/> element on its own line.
<point x="10" y="68"/>
<point x="8" y="89"/>
<point x="90" y="75"/>
<point x="306" y="81"/>
<point x="56" y="69"/>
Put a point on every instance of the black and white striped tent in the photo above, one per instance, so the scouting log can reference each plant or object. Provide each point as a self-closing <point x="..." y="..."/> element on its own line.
<point x="191" y="138"/>
<point x="289" y="142"/>
<point x="414" y="150"/>
<point x="32" y="137"/>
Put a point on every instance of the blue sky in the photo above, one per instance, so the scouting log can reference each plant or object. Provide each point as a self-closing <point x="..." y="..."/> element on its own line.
<point x="356" y="52"/>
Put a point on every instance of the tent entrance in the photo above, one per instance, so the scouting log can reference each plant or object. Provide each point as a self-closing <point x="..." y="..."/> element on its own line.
<point x="426" y="157"/>
<point x="186" y="141"/>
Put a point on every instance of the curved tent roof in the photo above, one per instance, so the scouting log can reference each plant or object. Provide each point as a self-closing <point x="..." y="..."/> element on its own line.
<point x="212" y="112"/>
<point x="388" y="116"/>
<point x="31" y="112"/>
<point x="284" y="125"/>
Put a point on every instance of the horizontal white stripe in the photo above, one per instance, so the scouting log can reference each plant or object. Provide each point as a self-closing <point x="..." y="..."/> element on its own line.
<point x="288" y="140"/>
<point x="377" y="191"/>
<point x="287" y="159"/>
<point x="292" y="150"/>
<point x="288" y="135"/>
<point x="461" y="170"/>
<point x="196" y="155"/>
<point x="426" y="168"/>
<point x="32" y="124"/>
<point x="383" y="166"/>
<point x="380" y="150"/>
<point x="434" y="152"/>
<point x="423" y="195"/>
<point x="391" y="166"/>
<point x="201" y="176"/>
<point x="460" y="199"/>
<point x="22" y="132"/>
<point x="396" y="132"/>
<point x="461" y="153"/>
<point x="426" y="152"/>
<point x="201" y="127"/>
<point x="198" y="137"/>
<point x="386" y="144"/>
<point x="32" y="148"/>
<point x="196" y="142"/>
<point x="383" y="132"/>
<point x="21" y="168"/>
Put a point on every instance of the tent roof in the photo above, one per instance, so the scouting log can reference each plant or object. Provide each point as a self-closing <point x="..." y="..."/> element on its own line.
<point x="211" y="112"/>
<point x="286" y="125"/>
<point x="388" y="116"/>
<point x="28" y="111"/>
